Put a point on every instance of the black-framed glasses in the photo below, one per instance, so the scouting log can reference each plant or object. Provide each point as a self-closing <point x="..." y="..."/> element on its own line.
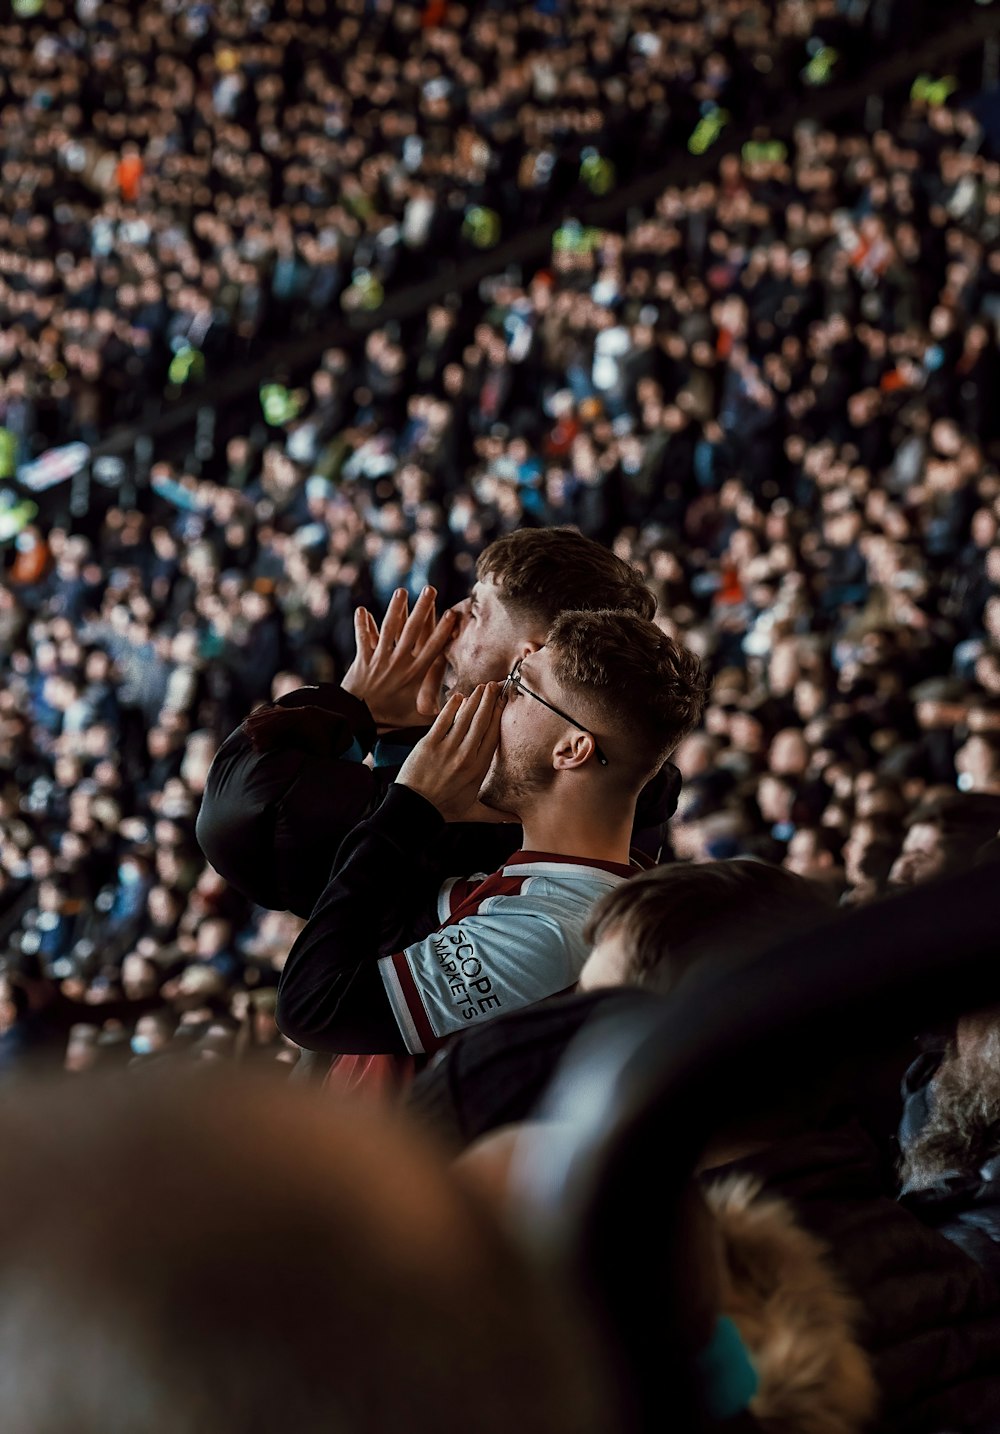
<point x="514" y="680"/>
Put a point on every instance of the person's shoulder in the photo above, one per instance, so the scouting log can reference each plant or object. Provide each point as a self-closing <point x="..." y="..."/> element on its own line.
<point x="488" y="1077"/>
<point x="562" y="885"/>
<point x="551" y="1019"/>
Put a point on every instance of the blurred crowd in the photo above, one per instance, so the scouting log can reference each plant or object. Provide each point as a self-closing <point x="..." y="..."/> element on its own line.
<point x="182" y="183"/>
<point x="774" y="392"/>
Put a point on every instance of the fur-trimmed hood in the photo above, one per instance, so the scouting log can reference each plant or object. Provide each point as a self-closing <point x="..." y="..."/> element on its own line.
<point x="794" y="1318"/>
<point x="953" y="1125"/>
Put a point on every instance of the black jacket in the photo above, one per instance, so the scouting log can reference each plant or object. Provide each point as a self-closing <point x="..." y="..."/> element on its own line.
<point x="381" y="895"/>
<point x="289" y="784"/>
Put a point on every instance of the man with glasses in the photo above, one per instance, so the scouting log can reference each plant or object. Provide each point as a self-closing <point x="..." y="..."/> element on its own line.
<point x="514" y="682"/>
<point x="296" y="777"/>
<point x="564" y="746"/>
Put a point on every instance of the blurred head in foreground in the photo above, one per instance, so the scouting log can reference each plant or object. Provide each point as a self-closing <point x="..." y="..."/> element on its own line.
<point x="208" y="1254"/>
<point x="672" y="919"/>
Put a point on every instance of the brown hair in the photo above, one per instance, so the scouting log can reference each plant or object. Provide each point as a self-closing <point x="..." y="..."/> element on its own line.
<point x="639" y="682"/>
<point x="548" y="571"/>
<point x="677" y="916"/>
<point x="160" y="1236"/>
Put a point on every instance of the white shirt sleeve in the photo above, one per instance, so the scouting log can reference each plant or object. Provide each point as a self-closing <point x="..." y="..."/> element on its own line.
<point x="514" y="951"/>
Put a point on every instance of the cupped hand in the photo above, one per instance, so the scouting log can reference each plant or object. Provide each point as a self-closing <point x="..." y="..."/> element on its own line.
<point x="396" y="668"/>
<point x="448" y="766"/>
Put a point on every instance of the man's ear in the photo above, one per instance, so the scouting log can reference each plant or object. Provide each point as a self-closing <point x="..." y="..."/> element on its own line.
<point x="528" y="647"/>
<point x="572" y="751"/>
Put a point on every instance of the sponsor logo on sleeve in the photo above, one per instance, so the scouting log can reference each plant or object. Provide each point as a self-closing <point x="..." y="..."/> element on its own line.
<point x="471" y="988"/>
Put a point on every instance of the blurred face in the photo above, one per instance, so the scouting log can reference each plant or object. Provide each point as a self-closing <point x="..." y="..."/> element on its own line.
<point x="152" y="1034"/>
<point x="805" y="857"/>
<point x="746" y="733"/>
<point x="195" y="764"/>
<point x="489" y="640"/>
<point x="162" y="907"/>
<point x="984" y="528"/>
<point x="808" y="699"/>
<point x="774" y="800"/>
<point x="82" y="1055"/>
<point x="695" y="755"/>
<point x="991" y="618"/>
<point x="789" y="755"/>
<point x="988" y="673"/>
<point x="975" y="764"/>
<point x="211" y="938"/>
<point x="923" y="856"/>
<point x="607" y="964"/>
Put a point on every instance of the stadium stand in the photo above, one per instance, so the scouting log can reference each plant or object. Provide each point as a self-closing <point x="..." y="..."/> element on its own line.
<point x="301" y="307"/>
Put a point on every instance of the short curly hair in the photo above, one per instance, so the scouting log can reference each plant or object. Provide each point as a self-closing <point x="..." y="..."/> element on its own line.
<point x="639" y="683"/>
<point x="548" y="571"/>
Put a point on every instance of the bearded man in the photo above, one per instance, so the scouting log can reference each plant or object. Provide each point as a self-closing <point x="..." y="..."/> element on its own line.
<point x="563" y="746"/>
<point x="299" y="774"/>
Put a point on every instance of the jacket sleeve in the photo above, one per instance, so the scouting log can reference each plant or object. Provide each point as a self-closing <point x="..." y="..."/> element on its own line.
<point x="350" y="987"/>
<point x="285" y="789"/>
<point x="331" y="996"/>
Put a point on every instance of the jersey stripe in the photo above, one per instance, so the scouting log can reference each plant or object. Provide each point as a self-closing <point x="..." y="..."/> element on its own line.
<point x="500" y="884"/>
<point x="407" y="1005"/>
<point x="552" y="868"/>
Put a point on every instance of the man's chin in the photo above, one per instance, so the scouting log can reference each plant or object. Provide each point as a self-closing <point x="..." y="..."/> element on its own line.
<point x="491" y="815"/>
<point x="492" y="811"/>
<point x="490" y="797"/>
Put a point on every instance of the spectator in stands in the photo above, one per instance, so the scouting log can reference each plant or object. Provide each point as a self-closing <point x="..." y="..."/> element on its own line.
<point x="949" y="1138"/>
<point x="647" y="933"/>
<point x="815" y="1152"/>
<point x="944" y="833"/>
<point x="288" y="785"/>
<point x="618" y="695"/>
<point x="749" y="1313"/>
